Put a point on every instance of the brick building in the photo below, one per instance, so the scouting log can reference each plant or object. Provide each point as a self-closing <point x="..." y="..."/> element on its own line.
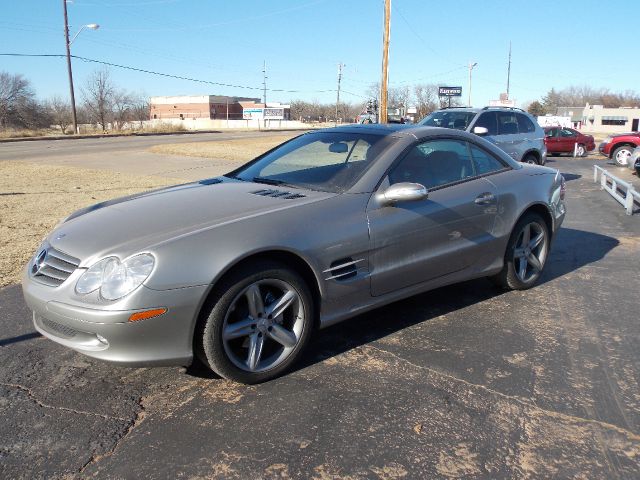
<point x="198" y="106"/>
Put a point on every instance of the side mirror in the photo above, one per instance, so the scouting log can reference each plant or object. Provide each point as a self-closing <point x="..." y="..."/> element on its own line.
<point x="403" y="192"/>
<point x="480" y="130"/>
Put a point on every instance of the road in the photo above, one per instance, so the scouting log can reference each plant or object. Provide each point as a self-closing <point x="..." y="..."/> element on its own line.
<point x="465" y="381"/>
<point x="127" y="154"/>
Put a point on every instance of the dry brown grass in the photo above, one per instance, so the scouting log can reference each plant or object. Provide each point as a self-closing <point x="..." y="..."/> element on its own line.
<point x="24" y="133"/>
<point x="240" y="149"/>
<point x="33" y="198"/>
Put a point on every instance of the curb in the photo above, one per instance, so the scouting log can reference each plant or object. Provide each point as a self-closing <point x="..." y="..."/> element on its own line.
<point x="142" y="134"/>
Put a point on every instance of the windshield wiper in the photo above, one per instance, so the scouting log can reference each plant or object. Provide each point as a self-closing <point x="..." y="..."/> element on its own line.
<point x="268" y="181"/>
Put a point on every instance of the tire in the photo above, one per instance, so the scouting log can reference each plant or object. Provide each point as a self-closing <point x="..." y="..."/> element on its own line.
<point x="511" y="276"/>
<point x="581" y="151"/>
<point x="530" y="158"/>
<point x="240" y="340"/>
<point x="622" y="155"/>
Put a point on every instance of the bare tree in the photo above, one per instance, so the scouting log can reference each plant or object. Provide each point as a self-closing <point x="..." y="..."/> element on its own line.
<point x="98" y="96"/>
<point x="426" y="99"/>
<point x="122" y="108"/>
<point x="17" y="101"/>
<point x="60" y="112"/>
<point x="140" y="108"/>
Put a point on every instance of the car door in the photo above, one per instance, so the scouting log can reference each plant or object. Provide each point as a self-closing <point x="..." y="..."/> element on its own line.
<point x="567" y="140"/>
<point x="414" y="242"/>
<point x="551" y="139"/>
<point x="510" y="139"/>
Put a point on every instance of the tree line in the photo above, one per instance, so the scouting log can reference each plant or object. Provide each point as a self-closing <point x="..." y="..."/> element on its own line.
<point x="580" y="96"/>
<point x="102" y="103"/>
<point x="424" y="97"/>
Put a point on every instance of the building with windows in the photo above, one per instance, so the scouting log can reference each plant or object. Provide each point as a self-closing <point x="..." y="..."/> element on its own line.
<point x="210" y="107"/>
<point x="597" y="118"/>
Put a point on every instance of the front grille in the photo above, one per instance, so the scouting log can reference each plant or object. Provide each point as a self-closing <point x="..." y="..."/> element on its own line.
<point x="52" y="267"/>
<point x="63" y="330"/>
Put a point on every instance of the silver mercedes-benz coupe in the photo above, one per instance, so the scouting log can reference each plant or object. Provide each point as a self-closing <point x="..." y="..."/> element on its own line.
<point x="239" y="270"/>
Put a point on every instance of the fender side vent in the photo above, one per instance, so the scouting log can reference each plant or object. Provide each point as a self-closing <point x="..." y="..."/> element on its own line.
<point x="342" y="269"/>
<point x="278" y="194"/>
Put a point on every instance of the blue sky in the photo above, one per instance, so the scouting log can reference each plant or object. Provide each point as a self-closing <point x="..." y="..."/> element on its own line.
<point x="555" y="44"/>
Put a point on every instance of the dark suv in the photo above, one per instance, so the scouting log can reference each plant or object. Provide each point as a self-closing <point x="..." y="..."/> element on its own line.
<point x="512" y="129"/>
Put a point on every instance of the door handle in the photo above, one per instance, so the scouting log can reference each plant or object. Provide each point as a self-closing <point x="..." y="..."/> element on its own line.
<point x="485" y="198"/>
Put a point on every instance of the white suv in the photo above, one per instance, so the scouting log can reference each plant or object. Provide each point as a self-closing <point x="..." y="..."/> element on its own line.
<point x="512" y="129"/>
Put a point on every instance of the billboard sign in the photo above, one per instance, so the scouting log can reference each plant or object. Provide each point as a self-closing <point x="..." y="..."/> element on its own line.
<point x="274" y="113"/>
<point x="450" y="91"/>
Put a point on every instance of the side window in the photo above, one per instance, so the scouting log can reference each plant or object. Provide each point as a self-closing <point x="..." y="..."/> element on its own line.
<point x="551" y="133"/>
<point x="434" y="163"/>
<point x="484" y="162"/>
<point x="507" y="123"/>
<point x="525" y="125"/>
<point x="567" y="133"/>
<point x="488" y="121"/>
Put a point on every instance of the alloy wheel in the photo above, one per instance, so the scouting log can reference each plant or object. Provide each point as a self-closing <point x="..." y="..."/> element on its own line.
<point x="581" y="152"/>
<point x="530" y="252"/>
<point x="263" y="325"/>
<point x="622" y="157"/>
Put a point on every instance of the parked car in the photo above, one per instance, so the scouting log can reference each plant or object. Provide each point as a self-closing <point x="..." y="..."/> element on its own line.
<point x="240" y="269"/>
<point x="619" y="147"/>
<point x="634" y="162"/>
<point x="567" y="140"/>
<point x="513" y="130"/>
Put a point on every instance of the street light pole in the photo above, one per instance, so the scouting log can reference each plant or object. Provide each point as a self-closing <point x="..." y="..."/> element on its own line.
<point x="471" y="65"/>
<point x="68" y="46"/>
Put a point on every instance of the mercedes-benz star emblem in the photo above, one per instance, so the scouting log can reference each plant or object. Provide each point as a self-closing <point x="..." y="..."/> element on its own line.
<point x="39" y="262"/>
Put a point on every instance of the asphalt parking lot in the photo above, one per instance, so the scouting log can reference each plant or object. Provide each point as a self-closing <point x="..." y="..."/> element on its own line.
<point x="465" y="381"/>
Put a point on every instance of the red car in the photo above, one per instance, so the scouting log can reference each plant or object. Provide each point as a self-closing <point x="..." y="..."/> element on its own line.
<point x="619" y="147"/>
<point x="564" y="140"/>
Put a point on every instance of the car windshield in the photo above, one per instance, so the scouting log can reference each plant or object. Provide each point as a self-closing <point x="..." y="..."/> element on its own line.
<point x="448" y="119"/>
<point x="326" y="161"/>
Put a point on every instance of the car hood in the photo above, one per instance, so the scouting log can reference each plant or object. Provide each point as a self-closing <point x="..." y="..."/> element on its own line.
<point x="131" y="224"/>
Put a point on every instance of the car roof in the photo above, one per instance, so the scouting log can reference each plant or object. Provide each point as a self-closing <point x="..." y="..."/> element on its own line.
<point x="373" y="129"/>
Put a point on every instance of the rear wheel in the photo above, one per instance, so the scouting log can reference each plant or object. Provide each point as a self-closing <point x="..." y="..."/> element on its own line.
<point x="259" y="323"/>
<point x="622" y="155"/>
<point x="526" y="254"/>
<point x="530" y="158"/>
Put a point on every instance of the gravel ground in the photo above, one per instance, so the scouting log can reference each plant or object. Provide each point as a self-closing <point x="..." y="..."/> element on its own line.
<point x="34" y="198"/>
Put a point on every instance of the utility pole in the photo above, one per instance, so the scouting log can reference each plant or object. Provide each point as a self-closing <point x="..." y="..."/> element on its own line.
<point x="384" y="87"/>
<point x="68" y="47"/>
<point x="509" y="70"/>
<point x="264" y="82"/>
<point x="471" y="65"/>
<point x="340" y="66"/>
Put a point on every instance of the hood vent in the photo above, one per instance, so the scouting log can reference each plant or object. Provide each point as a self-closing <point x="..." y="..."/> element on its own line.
<point x="278" y="194"/>
<point x="342" y="269"/>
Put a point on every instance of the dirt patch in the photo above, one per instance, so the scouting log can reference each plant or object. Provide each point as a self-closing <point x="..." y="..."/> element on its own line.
<point x="34" y="198"/>
<point x="241" y="149"/>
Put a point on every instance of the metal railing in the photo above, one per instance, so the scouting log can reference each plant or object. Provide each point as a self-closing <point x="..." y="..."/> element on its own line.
<point x="616" y="188"/>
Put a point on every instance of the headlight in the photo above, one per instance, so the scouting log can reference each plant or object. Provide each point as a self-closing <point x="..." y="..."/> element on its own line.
<point x="606" y="140"/>
<point x="114" y="278"/>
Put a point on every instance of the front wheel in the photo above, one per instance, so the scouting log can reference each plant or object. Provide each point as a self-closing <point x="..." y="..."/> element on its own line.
<point x="531" y="159"/>
<point x="526" y="254"/>
<point x="622" y="155"/>
<point x="260" y="322"/>
<point x="581" y="151"/>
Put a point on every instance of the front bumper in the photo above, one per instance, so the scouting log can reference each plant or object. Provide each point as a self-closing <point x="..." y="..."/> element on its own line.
<point x="108" y="335"/>
<point x="602" y="148"/>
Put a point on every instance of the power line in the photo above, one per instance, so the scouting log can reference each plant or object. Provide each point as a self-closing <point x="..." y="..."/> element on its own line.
<point x="169" y="75"/>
